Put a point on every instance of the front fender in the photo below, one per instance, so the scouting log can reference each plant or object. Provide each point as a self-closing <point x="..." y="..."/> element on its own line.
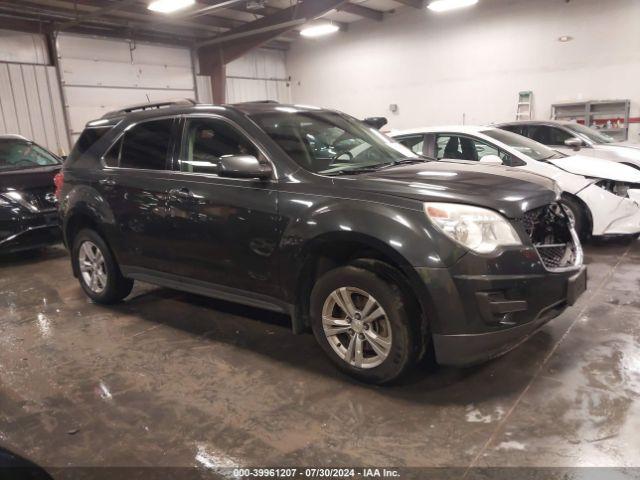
<point x="404" y="236"/>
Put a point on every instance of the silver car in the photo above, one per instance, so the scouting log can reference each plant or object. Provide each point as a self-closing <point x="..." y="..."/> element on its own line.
<point x="570" y="137"/>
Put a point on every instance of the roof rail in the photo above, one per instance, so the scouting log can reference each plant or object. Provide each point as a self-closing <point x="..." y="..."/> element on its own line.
<point x="256" y="101"/>
<point x="149" y="106"/>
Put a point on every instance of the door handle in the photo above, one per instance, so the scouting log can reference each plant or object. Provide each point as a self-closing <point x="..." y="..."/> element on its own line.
<point x="107" y="181"/>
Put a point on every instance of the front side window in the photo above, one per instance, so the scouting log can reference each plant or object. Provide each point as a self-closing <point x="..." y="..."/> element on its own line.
<point x="207" y="140"/>
<point x="146" y="145"/>
<point x="590" y="134"/>
<point x="524" y="145"/>
<point x="548" y="135"/>
<point x="330" y="143"/>
<point x="21" y="154"/>
<point x="458" y="147"/>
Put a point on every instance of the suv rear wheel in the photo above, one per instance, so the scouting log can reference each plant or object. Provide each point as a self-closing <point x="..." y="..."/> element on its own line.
<point x="98" y="273"/>
<point x="362" y="323"/>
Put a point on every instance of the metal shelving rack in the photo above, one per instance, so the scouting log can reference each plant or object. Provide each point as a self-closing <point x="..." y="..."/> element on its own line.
<point x="597" y="113"/>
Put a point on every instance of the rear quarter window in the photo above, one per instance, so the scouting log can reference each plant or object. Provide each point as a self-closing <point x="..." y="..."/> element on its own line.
<point x="87" y="139"/>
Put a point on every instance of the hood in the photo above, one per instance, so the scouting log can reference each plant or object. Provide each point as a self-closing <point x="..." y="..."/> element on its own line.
<point x="508" y="191"/>
<point x="634" y="146"/>
<point x="624" y="152"/>
<point x="29" y="178"/>
<point x="597" y="168"/>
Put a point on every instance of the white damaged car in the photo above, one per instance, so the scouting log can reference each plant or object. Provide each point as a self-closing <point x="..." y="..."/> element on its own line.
<point x="601" y="196"/>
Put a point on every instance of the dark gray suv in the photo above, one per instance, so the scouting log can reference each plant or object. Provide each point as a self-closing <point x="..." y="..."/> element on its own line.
<point x="384" y="254"/>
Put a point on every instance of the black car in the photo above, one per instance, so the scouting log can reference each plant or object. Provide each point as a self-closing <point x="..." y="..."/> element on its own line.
<point x="384" y="254"/>
<point x="28" y="206"/>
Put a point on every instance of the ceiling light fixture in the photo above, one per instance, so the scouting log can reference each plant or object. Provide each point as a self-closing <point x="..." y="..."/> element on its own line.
<point x="565" y="38"/>
<point x="446" y="5"/>
<point x="319" y="30"/>
<point x="170" y="6"/>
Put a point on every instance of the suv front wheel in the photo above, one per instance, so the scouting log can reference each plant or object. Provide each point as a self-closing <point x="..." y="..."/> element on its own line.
<point x="363" y="324"/>
<point x="98" y="272"/>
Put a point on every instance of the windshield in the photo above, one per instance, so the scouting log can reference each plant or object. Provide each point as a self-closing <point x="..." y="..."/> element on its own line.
<point x="19" y="154"/>
<point x="590" y="134"/>
<point x="330" y="143"/>
<point x="524" y="145"/>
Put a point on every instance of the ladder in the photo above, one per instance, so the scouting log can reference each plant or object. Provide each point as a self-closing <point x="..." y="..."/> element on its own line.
<point x="524" y="109"/>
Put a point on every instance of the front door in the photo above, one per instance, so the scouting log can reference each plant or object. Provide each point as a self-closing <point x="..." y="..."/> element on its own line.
<point x="223" y="231"/>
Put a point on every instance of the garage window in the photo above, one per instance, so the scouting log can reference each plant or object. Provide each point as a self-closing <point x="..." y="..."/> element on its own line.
<point x="146" y="145"/>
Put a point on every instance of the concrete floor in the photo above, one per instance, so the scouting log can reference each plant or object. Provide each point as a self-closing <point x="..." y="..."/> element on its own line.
<point x="171" y="379"/>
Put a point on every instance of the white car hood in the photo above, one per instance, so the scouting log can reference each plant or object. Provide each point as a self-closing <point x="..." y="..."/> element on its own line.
<point x="597" y="168"/>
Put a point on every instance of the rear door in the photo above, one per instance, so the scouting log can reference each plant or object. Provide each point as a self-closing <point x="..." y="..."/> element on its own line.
<point x="223" y="231"/>
<point x="135" y="182"/>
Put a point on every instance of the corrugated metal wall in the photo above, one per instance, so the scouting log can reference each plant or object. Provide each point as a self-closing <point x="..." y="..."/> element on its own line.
<point x="258" y="75"/>
<point x="99" y="75"/>
<point x="30" y="105"/>
<point x="30" y="100"/>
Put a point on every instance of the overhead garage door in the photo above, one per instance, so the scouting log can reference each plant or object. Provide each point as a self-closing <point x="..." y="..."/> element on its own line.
<point x="99" y="75"/>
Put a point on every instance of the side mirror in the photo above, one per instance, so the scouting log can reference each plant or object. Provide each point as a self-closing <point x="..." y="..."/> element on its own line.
<point x="491" y="160"/>
<point x="376" y="122"/>
<point x="243" y="166"/>
<point x="574" y="143"/>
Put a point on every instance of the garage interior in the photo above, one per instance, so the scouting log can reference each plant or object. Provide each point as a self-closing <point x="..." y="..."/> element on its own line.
<point x="174" y="380"/>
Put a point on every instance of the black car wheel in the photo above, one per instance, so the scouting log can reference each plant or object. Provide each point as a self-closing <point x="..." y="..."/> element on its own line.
<point x="98" y="273"/>
<point x="362" y="323"/>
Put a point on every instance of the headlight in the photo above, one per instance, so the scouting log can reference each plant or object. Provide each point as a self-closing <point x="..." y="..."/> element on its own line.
<point x="620" y="189"/>
<point x="478" y="229"/>
<point x="14" y="198"/>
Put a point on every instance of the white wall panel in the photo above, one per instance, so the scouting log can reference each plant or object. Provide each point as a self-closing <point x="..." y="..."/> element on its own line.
<point x="471" y="63"/>
<point x="99" y="75"/>
<point x="258" y="75"/>
<point x="30" y="105"/>
<point x="19" y="47"/>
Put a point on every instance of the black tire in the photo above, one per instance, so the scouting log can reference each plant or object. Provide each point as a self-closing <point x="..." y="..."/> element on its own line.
<point x="580" y="216"/>
<point x="116" y="287"/>
<point x="404" y="344"/>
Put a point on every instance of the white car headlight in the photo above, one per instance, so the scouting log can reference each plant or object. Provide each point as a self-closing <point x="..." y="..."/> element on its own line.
<point x="479" y="229"/>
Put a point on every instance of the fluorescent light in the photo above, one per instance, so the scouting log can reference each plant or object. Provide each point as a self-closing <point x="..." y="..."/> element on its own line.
<point x="168" y="6"/>
<point x="444" y="5"/>
<point x="319" y="30"/>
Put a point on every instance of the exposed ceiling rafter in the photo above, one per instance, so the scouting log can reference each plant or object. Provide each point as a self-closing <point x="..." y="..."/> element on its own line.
<point x="413" y="3"/>
<point x="363" y="12"/>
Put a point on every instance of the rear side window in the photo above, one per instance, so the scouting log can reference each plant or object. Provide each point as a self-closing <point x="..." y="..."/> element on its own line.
<point x="415" y="143"/>
<point x="144" y="146"/>
<point x="89" y="137"/>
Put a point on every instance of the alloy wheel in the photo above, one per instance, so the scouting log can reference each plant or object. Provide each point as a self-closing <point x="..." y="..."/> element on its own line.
<point x="357" y="327"/>
<point x="92" y="267"/>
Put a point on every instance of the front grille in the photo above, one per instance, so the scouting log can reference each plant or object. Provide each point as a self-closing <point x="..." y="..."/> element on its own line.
<point x="553" y="236"/>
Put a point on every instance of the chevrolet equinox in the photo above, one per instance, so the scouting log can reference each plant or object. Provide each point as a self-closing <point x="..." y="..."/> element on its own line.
<point x="383" y="254"/>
